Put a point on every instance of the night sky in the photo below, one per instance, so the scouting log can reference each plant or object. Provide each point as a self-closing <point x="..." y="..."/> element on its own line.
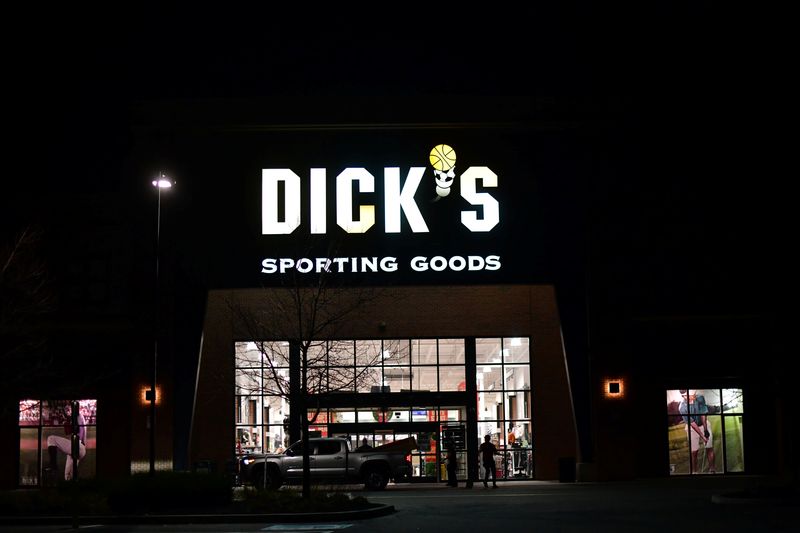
<point x="673" y="207"/>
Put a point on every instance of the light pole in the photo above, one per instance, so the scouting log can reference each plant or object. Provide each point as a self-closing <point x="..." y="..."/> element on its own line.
<point x="161" y="182"/>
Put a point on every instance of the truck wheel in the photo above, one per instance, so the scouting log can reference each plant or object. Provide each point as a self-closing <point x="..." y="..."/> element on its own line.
<point x="273" y="481"/>
<point x="376" y="478"/>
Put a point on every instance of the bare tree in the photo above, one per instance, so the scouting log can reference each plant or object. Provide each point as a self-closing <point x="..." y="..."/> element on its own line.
<point x="312" y="318"/>
<point x="25" y="298"/>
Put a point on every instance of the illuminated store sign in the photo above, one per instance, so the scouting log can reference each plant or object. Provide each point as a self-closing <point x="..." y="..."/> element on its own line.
<point x="419" y="263"/>
<point x="281" y="192"/>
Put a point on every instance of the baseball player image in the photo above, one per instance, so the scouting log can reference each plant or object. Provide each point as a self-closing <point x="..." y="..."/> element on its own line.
<point x="56" y="443"/>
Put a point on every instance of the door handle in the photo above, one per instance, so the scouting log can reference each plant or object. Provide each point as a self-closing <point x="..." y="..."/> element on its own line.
<point x="340" y="458"/>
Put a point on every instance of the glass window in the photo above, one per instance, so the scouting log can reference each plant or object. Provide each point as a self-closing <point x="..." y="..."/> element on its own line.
<point x="423" y="351"/>
<point x="383" y="366"/>
<point x="275" y="408"/>
<point x="517" y="377"/>
<point x="54" y="428"/>
<point x="247" y="354"/>
<point x="708" y="400"/>
<point x="489" y="427"/>
<point x="734" y="443"/>
<point x="488" y="377"/>
<point x="514" y="405"/>
<point x="368" y="353"/>
<point x="490" y="405"/>
<point x="398" y="378"/>
<point x="318" y="380"/>
<point x="328" y="447"/>
<point x="248" y="409"/>
<point x="275" y="380"/>
<point x="451" y="351"/>
<point x="396" y="352"/>
<point x="368" y="379"/>
<point x="702" y="437"/>
<point x="296" y="448"/>
<point x="732" y="401"/>
<point x="343" y="416"/>
<point x="29" y="413"/>
<point x="248" y="439"/>
<point x="424" y="378"/>
<point x="451" y="414"/>
<point x="516" y="350"/>
<point x="487" y="351"/>
<point x="522" y="432"/>
<point x="422" y="414"/>
<point x="29" y="456"/>
<point x="341" y="353"/>
<point x="275" y="439"/>
<point x="452" y="378"/>
<point x="272" y="353"/>
<point x="248" y="381"/>
<point x="318" y="416"/>
<point x="342" y="379"/>
<point x="397" y="414"/>
<point x="317" y="354"/>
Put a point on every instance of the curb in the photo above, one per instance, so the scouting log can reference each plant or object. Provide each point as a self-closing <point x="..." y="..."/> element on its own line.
<point x="742" y="500"/>
<point x="333" y="516"/>
<point x="769" y="497"/>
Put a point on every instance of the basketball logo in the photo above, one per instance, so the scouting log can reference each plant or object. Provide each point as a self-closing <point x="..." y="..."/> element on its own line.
<point x="443" y="157"/>
<point x="443" y="161"/>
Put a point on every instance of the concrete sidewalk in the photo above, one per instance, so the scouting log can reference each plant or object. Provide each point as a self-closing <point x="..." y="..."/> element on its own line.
<point x="203" y="518"/>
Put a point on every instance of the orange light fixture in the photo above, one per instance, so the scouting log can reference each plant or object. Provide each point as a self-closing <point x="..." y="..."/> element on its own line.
<point x="144" y="395"/>
<point x="614" y="388"/>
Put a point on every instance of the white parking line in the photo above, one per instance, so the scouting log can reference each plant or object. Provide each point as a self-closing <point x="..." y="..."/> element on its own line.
<point x="451" y="495"/>
<point x="306" y="527"/>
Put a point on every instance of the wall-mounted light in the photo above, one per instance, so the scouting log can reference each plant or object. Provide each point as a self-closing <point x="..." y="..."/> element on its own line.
<point x="145" y="395"/>
<point x="614" y="388"/>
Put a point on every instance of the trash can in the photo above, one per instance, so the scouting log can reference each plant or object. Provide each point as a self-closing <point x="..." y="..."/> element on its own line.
<point x="566" y="469"/>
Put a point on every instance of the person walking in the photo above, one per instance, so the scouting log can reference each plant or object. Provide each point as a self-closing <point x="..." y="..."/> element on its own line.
<point x="488" y="451"/>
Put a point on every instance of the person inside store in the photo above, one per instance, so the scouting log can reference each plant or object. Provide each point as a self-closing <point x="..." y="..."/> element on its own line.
<point x="487" y="451"/>
<point x="452" y="465"/>
<point x="694" y="411"/>
<point x="516" y="459"/>
<point x="364" y="445"/>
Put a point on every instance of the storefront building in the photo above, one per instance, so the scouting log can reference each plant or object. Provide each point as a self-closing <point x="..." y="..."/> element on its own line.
<point x="466" y="249"/>
<point x="492" y="364"/>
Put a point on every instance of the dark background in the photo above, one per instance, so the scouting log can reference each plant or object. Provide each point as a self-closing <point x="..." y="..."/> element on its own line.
<point x="658" y="197"/>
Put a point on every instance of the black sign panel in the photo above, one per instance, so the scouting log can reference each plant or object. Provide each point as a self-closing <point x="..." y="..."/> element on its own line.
<point x="456" y="435"/>
<point x="368" y="205"/>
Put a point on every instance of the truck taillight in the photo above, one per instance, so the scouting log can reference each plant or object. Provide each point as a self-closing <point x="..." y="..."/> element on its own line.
<point x="408" y="458"/>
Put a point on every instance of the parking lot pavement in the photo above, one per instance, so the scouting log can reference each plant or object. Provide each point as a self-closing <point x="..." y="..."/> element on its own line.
<point x="664" y="504"/>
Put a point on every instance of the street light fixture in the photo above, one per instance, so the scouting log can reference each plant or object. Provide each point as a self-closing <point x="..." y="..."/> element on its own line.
<point x="161" y="182"/>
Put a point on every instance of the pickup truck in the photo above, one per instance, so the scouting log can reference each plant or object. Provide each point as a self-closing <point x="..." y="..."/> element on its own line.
<point x="332" y="461"/>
